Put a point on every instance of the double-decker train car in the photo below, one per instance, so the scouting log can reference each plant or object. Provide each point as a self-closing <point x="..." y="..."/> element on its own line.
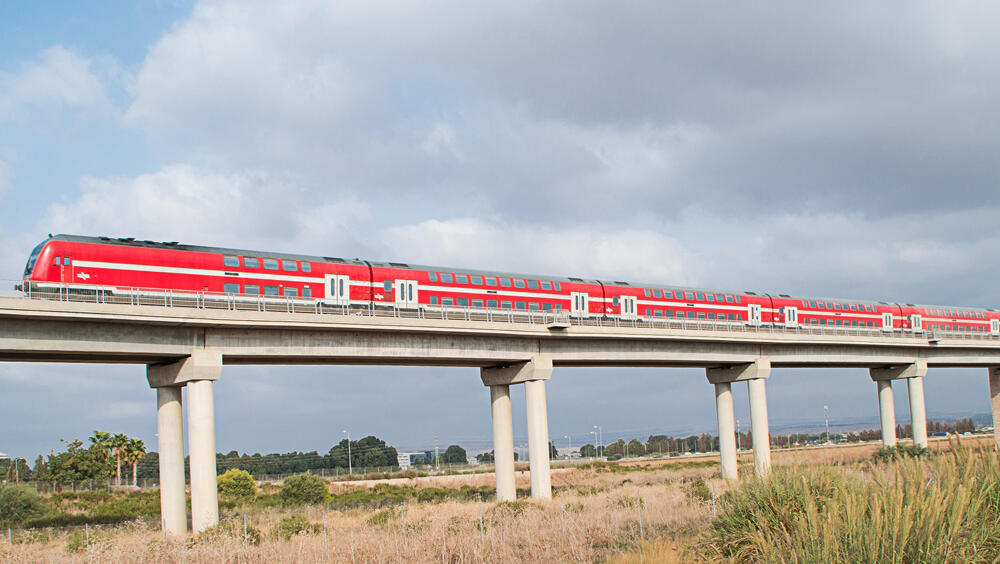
<point x="130" y="266"/>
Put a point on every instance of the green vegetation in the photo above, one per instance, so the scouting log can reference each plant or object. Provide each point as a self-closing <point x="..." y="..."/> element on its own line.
<point x="19" y="504"/>
<point x="304" y="488"/>
<point x="944" y="509"/>
<point x="237" y="485"/>
<point x="887" y="454"/>
<point x="229" y="528"/>
<point x="295" y="525"/>
<point x="454" y="454"/>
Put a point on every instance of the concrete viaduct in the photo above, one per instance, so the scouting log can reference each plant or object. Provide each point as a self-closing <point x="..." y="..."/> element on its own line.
<point x="188" y="348"/>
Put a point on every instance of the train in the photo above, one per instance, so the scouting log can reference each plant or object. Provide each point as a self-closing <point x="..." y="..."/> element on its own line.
<point x="125" y="264"/>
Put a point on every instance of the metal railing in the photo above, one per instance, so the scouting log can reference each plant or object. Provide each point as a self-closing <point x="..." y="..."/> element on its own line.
<point x="135" y="296"/>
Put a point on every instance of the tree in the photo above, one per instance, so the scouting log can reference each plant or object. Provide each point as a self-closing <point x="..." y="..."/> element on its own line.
<point x="19" y="503"/>
<point x="454" y="454"/>
<point x="117" y="444"/>
<point x="588" y="451"/>
<point x="304" y="488"/>
<point x="78" y="463"/>
<point x="237" y="484"/>
<point x="635" y="448"/>
<point x="133" y="451"/>
<point x="485" y="457"/>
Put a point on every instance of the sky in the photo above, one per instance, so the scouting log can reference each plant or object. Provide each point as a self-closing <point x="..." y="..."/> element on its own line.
<point x="846" y="151"/>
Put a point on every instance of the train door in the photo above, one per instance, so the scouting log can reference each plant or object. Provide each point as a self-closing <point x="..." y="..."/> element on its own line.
<point x="887" y="322"/>
<point x="791" y="316"/>
<point x="995" y="326"/>
<point x="916" y="323"/>
<point x="338" y="289"/>
<point x="579" y="305"/>
<point x="629" y="307"/>
<point x="753" y="314"/>
<point x="406" y="293"/>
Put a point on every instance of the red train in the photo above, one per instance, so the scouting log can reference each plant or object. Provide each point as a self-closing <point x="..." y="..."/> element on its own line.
<point x="126" y="265"/>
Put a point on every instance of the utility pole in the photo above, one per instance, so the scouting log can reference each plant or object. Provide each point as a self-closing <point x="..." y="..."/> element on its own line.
<point x="826" y="415"/>
<point x="595" y="439"/>
<point x="569" y="441"/>
<point x="437" y="456"/>
<point x="350" y="467"/>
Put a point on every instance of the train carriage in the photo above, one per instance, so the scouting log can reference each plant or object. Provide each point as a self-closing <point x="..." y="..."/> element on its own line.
<point x="126" y="266"/>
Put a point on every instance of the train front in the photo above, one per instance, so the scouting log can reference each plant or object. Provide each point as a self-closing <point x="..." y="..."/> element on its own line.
<point x="30" y="276"/>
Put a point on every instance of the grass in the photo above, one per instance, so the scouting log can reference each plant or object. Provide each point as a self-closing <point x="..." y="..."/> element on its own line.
<point x="838" y="505"/>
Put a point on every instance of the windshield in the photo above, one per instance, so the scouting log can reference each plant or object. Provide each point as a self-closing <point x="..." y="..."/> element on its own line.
<point x="31" y="259"/>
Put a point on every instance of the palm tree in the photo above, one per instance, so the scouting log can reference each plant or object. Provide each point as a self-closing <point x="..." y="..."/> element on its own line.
<point x="117" y="444"/>
<point x="133" y="452"/>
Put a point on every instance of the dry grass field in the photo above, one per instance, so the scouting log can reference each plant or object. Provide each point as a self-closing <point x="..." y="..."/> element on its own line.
<point x="594" y="517"/>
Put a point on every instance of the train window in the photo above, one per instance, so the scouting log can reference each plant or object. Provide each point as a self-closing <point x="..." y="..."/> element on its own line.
<point x="434" y="300"/>
<point x="854" y="307"/>
<point x="546" y="307"/>
<point x="231" y="289"/>
<point x="731" y="317"/>
<point x="533" y="306"/>
<point x="492" y="304"/>
<point x="66" y="261"/>
<point x="557" y="286"/>
<point x="657" y="294"/>
<point x="658" y="313"/>
<point x="701" y="315"/>
<point x="840" y="323"/>
<point x="307" y="292"/>
<point x="270" y="264"/>
<point x="306" y="267"/>
<point x="710" y="297"/>
<point x="649" y="312"/>
<point x="461" y="279"/>
<point x="533" y="284"/>
<point x="432" y="276"/>
<point x="645" y="292"/>
<point x="462" y="302"/>
<point x="711" y="315"/>
<point x="291" y="292"/>
<point x="289" y="265"/>
<point x="505" y="282"/>
<point x="518" y="283"/>
<point x="477" y="303"/>
<point x="447" y="301"/>
<point x="691" y="315"/>
<point x="446" y="277"/>
<point x="836" y="306"/>
<point x="668" y="313"/>
<point x="729" y="299"/>
<point x="231" y="260"/>
<point x="505" y="305"/>
<point x="519" y="305"/>
<point x="701" y="296"/>
<point x="491" y="281"/>
<point x="251" y="290"/>
<point x="614" y="301"/>
<point x="822" y="321"/>
<point x="690" y="295"/>
<point x="546" y="285"/>
<point x="387" y="286"/>
<point x="251" y="262"/>
<point x="477" y="280"/>
<point x="270" y="290"/>
<point x="58" y="261"/>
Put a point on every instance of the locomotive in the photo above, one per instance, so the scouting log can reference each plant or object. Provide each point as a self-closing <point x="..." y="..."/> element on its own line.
<point x="127" y="265"/>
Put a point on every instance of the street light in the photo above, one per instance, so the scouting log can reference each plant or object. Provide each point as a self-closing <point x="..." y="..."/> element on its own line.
<point x="600" y="435"/>
<point x="569" y="441"/>
<point x="826" y="415"/>
<point x="350" y="468"/>
<point x="595" y="440"/>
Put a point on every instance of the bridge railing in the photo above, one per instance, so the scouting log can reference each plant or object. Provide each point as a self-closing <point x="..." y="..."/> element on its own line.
<point x="159" y="297"/>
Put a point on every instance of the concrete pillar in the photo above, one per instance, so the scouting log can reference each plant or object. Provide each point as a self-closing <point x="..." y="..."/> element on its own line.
<point x="201" y="446"/>
<point x="886" y="412"/>
<point x="918" y="415"/>
<point x="503" y="443"/>
<point x="759" y="426"/>
<point x="727" y="429"/>
<point x="170" y="431"/>
<point x="538" y="439"/>
<point x="723" y="376"/>
<point x="532" y="373"/>
<point x="994" y="375"/>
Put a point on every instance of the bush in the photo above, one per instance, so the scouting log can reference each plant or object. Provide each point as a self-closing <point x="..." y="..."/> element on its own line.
<point x="78" y="539"/>
<point x="295" y="525"/>
<point x="888" y="454"/>
<point x="237" y="484"/>
<point x="229" y="528"/>
<point x="304" y="488"/>
<point x="20" y="503"/>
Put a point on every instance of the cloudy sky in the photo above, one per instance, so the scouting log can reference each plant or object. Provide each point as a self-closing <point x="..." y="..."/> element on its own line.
<point x="848" y="152"/>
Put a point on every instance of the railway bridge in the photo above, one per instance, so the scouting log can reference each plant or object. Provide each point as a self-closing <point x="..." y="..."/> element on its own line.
<point x="187" y="344"/>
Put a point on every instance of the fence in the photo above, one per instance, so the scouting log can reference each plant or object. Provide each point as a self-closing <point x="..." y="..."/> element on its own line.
<point x="159" y="297"/>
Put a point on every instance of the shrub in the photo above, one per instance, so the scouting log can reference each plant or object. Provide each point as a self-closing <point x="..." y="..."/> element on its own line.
<point x="381" y="518"/>
<point x="888" y="454"/>
<point x="304" y="488"/>
<point x="237" y="484"/>
<point x="698" y="489"/>
<point x="78" y="539"/>
<point x="20" y="503"/>
<point x="229" y="528"/>
<point x="295" y="525"/>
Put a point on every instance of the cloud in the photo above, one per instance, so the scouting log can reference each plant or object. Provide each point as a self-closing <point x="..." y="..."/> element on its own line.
<point x="182" y="202"/>
<point x="60" y="80"/>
